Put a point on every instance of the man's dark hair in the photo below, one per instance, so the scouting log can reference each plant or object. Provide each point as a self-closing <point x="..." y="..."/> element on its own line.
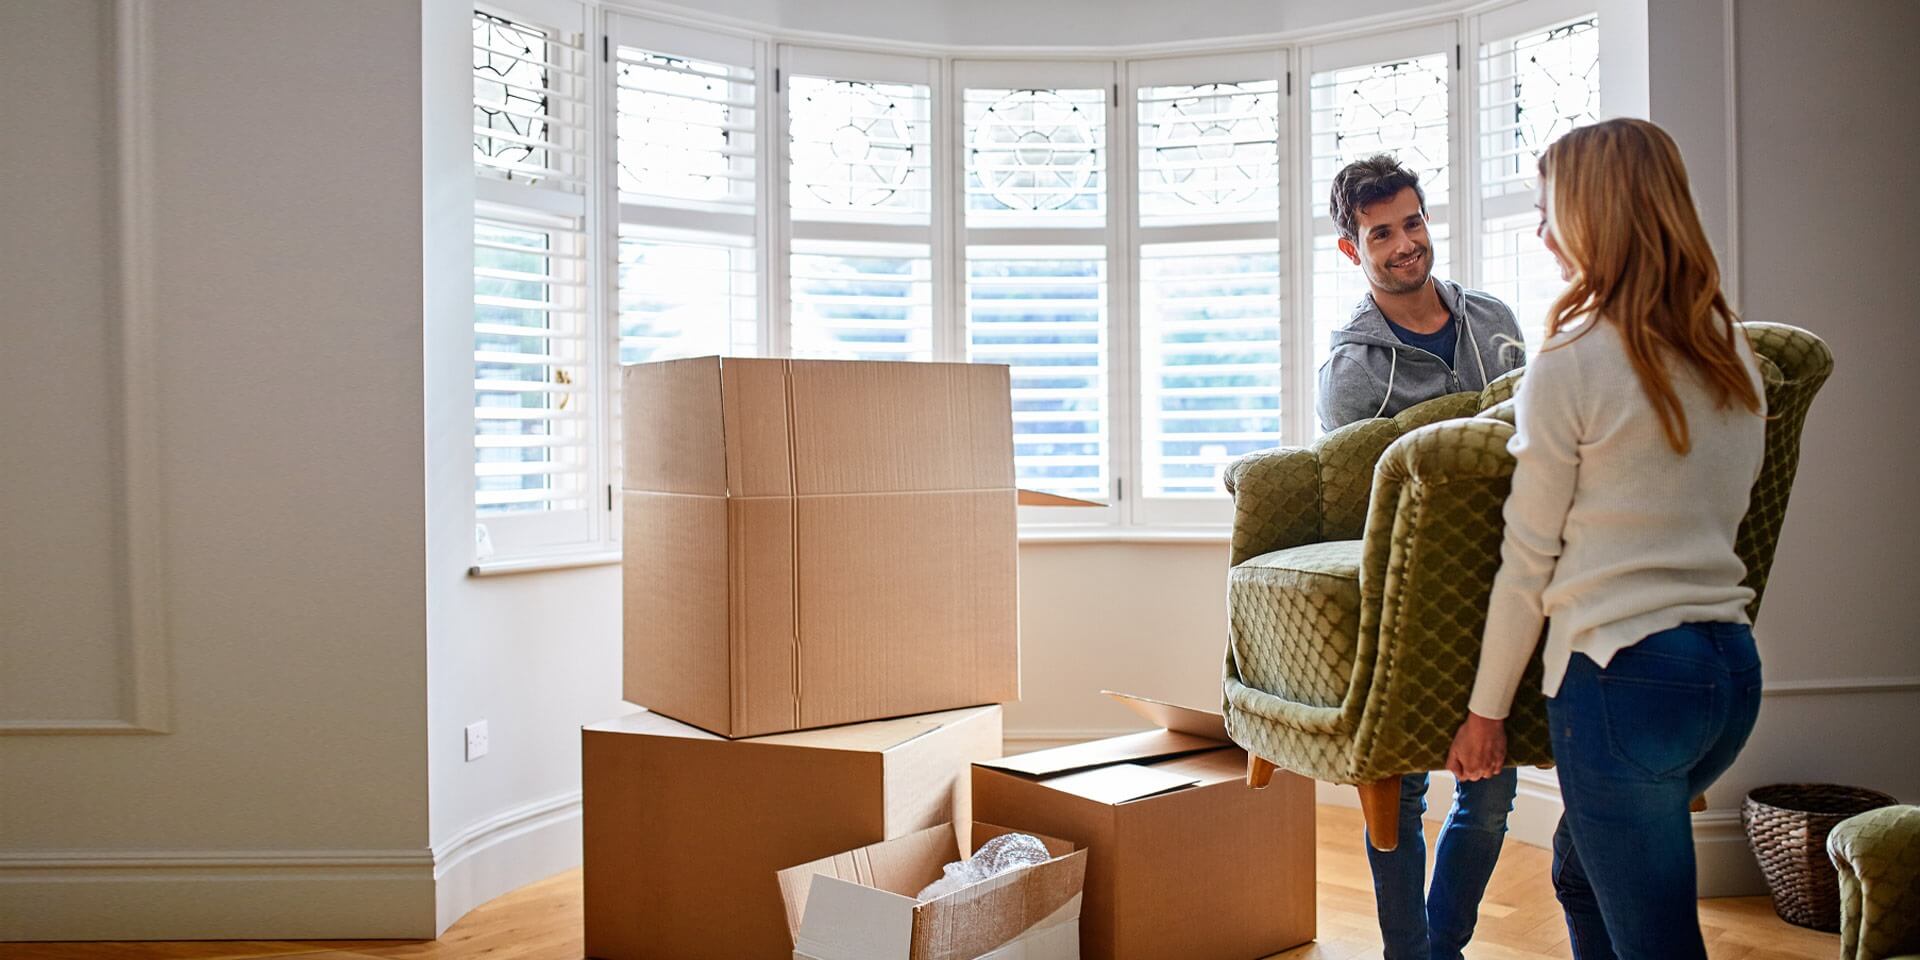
<point x="1364" y="183"/>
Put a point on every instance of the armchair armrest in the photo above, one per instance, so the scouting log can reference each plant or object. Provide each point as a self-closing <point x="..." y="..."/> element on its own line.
<point x="1291" y="496"/>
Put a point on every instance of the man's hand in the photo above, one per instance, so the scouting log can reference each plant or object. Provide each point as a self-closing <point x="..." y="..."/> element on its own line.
<point x="1479" y="749"/>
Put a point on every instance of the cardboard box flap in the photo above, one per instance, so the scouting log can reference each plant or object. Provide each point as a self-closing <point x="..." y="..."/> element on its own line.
<point x="1147" y="745"/>
<point x="978" y="919"/>
<point x="876" y="736"/>
<point x="1121" y="783"/>
<point x="1037" y="498"/>
<point x="865" y="427"/>
<point x="851" y="920"/>
<point x="902" y="867"/>
<point x="1200" y="723"/>
<point x="676" y="448"/>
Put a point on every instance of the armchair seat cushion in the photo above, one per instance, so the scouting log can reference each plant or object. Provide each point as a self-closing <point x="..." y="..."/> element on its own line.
<point x="1296" y="613"/>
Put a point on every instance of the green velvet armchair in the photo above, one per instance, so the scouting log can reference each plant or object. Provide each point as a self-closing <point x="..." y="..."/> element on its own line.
<point x="1878" y="856"/>
<point x="1361" y="569"/>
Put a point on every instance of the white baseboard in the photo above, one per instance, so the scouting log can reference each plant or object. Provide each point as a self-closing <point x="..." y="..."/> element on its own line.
<point x="504" y="853"/>
<point x="285" y="895"/>
<point x="216" y="895"/>
<point x="1726" y="865"/>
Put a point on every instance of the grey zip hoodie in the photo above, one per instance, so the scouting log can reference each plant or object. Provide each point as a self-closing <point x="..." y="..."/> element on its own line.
<point x="1370" y="373"/>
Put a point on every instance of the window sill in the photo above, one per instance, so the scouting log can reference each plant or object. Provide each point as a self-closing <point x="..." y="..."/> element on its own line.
<point x="602" y="558"/>
<point x="565" y="561"/>
<point x="1126" y="535"/>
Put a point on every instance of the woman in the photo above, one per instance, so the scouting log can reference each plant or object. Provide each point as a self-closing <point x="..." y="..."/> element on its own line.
<point x="1639" y="432"/>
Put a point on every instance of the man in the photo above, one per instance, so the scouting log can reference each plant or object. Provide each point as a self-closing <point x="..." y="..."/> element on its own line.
<point x="1413" y="338"/>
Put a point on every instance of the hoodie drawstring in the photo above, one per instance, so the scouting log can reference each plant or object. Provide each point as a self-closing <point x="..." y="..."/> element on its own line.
<point x="1475" y="341"/>
<point x="1393" y="367"/>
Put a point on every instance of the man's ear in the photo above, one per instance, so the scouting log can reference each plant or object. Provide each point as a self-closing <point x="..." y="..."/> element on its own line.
<point x="1346" y="246"/>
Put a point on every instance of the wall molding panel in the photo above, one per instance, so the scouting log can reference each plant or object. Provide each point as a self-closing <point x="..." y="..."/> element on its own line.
<point x="144" y="671"/>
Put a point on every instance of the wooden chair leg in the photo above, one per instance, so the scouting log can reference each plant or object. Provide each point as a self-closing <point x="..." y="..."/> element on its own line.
<point x="1698" y="805"/>
<point x="1259" y="771"/>
<point x="1380" y="808"/>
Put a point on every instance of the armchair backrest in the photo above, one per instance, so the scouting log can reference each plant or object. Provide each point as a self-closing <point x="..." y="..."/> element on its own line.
<point x="1794" y="363"/>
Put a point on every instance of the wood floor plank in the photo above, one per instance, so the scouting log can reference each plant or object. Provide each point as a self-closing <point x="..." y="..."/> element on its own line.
<point x="1519" y="920"/>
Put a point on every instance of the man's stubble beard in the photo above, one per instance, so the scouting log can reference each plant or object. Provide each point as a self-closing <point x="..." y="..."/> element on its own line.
<point x="1386" y="281"/>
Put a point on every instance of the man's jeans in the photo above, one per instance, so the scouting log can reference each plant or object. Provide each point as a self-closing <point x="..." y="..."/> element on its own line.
<point x="1438" y="925"/>
<point x="1634" y="743"/>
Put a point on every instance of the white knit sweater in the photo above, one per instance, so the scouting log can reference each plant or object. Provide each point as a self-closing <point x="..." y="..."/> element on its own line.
<point x="1610" y="533"/>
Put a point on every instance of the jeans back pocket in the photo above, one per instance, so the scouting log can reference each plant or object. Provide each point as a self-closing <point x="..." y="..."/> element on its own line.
<point x="1657" y="727"/>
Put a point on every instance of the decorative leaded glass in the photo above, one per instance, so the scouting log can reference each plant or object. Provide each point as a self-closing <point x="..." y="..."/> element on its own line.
<point x="1210" y="151"/>
<point x="1398" y="108"/>
<point x="858" y="146"/>
<point x="1036" y="154"/>
<point x="511" y="89"/>
<point x="1533" y="89"/>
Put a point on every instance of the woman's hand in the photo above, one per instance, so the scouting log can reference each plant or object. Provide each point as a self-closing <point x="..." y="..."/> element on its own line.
<point x="1479" y="749"/>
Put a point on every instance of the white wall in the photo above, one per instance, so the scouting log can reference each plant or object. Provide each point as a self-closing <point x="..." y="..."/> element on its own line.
<point x="312" y="305"/>
<point x="289" y="797"/>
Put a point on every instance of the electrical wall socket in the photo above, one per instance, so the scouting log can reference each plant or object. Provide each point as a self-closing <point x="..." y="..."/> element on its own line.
<point x="476" y="740"/>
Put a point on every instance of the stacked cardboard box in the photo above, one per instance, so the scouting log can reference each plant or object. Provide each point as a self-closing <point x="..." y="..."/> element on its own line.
<point x="808" y="545"/>
<point x="1184" y="859"/>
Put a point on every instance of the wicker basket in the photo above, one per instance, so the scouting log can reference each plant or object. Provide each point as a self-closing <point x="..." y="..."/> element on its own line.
<point x="1787" y="826"/>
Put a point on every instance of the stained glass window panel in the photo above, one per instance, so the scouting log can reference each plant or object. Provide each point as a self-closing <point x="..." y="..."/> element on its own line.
<point x="1209" y="153"/>
<point x="1036" y="157"/>
<point x="860" y="151"/>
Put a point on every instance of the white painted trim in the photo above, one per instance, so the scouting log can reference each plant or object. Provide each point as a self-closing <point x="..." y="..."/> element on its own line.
<point x="1045" y="534"/>
<point x="536" y="564"/>
<point x="1438" y="12"/>
<point x="215" y="894"/>
<point x="1839" y="686"/>
<point x="504" y="852"/>
<point x="1723" y="860"/>
<point x="144" y="697"/>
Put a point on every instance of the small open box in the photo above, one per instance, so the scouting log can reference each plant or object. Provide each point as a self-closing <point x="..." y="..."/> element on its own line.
<point x="860" y="905"/>
<point x="1184" y="859"/>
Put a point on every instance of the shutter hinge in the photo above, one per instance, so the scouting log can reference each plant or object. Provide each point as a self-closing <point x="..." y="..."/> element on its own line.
<point x="606" y="49"/>
<point x="1458" y="56"/>
<point x="1289" y="83"/>
<point x="1116" y="94"/>
<point x="776" y="79"/>
<point x="609" y="496"/>
<point x="1119" y="488"/>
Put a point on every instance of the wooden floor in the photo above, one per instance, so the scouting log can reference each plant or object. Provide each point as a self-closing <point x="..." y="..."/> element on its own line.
<point x="1518" y="918"/>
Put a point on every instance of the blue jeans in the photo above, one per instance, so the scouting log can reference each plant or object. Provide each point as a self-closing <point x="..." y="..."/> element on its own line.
<point x="1634" y="743"/>
<point x="1438" y="924"/>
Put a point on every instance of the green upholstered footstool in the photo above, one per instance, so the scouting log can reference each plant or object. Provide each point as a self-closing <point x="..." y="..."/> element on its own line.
<point x="1878" y="856"/>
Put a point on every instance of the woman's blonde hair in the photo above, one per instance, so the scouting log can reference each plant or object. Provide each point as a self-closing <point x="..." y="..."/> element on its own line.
<point x="1623" y="217"/>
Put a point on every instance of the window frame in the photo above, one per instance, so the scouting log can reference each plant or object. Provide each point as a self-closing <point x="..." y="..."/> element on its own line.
<point x="1458" y="30"/>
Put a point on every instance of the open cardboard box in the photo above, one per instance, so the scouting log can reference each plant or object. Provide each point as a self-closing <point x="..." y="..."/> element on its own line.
<point x="818" y="542"/>
<point x="861" y="905"/>
<point x="1184" y="859"/>
<point x="684" y="830"/>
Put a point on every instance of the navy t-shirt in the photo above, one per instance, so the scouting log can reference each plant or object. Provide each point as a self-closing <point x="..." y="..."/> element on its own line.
<point x="1440" y="343"/>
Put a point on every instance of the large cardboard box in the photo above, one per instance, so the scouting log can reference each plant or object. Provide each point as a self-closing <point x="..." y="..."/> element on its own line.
<point x="1184" y="859"/>
<point x="863" y="905"/>
<point x="684" y="830"/>
<point x="816" y="542"/>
